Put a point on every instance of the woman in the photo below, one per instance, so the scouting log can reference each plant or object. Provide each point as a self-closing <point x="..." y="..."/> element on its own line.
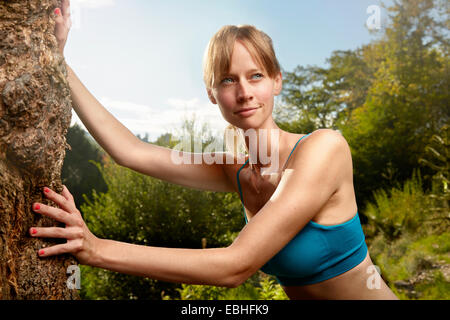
<point x="301" y="219"/>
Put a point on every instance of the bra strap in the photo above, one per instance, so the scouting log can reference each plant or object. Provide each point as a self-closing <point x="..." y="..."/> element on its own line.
<point x="239" y="171"/>
<point x="294" y="148"/>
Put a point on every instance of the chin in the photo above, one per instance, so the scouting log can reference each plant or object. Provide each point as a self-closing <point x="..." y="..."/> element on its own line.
<point x="250" y="124"/>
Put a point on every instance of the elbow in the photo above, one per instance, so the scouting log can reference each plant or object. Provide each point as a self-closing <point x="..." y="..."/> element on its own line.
<point x="236" y="281"/>
<point x="126" y="157"/>
<point x="120" y="161"/>
<point x="241" y="270"/>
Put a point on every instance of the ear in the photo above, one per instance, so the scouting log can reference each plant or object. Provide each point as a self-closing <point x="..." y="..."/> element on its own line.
<point x="211" y="96"/>
<point x="278" y="84"/>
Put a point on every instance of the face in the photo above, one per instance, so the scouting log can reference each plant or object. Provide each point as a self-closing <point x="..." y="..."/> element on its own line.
<point x="246" y="86"/>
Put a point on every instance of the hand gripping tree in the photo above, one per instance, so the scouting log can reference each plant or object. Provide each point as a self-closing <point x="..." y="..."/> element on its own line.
<point x="35" y="113"/>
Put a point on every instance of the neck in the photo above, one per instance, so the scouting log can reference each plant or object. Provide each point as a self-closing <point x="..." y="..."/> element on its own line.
<point x="265" y="145"/>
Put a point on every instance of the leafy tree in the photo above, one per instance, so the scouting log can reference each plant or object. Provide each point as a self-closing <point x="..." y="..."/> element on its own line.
<point x="406" y="103"/>
<point x="325" y="97"/>
<point x="79" y="173"/>
<point x="307" y="96"/>
<point x="387" y="98"/>
<point x="438" y="159"/>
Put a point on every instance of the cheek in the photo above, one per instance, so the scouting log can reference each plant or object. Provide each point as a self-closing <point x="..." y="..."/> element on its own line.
<point x="226" y="100"/>
<point x="225" y="104"/>
<point x="264" y="94"/>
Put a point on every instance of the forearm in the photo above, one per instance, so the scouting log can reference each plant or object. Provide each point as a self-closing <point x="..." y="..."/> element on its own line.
<point x="215" y="266"/>
<point x="112" y="135"/>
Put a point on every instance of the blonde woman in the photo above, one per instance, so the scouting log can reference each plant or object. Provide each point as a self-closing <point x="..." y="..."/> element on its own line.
<point x="301" y="217"/>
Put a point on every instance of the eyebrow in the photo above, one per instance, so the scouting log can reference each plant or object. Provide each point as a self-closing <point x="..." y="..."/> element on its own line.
<point x="249" y="71"/>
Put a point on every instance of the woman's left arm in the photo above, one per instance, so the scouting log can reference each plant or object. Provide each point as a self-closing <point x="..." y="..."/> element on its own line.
<point x="215" y="266"/>
<point x="320" y="166"/>
<point x="302" y="191"/>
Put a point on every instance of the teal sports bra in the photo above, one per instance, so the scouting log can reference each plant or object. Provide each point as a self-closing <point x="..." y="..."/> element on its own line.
<point x="317" y="252"/>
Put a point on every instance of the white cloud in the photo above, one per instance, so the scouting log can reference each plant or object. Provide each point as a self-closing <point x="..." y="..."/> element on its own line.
<point x="92" y="4"/>
<point x="77" y="7"/>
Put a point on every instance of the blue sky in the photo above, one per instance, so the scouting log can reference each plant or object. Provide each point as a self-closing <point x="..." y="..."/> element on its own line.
<point x="142" y="59"/>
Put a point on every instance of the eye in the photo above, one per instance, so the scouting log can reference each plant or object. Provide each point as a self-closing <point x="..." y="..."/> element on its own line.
<point x="260" y="75"/>
<point x="225" y="80"/>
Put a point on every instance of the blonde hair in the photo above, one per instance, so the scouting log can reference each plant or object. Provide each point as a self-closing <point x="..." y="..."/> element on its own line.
<point x="217" y="62"/>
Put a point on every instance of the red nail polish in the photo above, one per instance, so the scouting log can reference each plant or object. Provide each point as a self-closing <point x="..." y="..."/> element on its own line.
<point x="37" y="207"/>
<point x="46" y="190"/>
<point x="41" y="252"/>
<point x="33" y="231"/>
<point x="57" y="11"/>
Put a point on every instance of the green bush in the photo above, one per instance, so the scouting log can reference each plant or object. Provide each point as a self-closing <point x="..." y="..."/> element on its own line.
<point x="146" y="211"/>
<point x="402" y="210"/>
<point x="258" y="287"/>
<point x="407" y="242"/>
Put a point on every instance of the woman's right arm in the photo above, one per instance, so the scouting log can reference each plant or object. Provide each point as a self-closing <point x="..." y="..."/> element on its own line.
<point x="124" y="147"/>
<point x="114" y="137"/>
<point x="153" y="160"/>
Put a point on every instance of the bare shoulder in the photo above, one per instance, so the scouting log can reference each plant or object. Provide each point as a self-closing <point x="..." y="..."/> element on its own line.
<point x="327" y="143"/>
<point x="326" y="137"/>
<point x="324" y="157"/>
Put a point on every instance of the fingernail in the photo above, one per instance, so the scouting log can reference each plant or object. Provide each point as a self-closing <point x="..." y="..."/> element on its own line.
<point x="57" y="11"/>
<point x="41" y="252"/>
<point x="33" y="231"/>
<point x="46" y="190"/>
<point x="37" y="207"/>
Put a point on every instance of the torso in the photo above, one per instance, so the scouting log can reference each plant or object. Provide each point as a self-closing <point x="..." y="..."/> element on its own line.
<point x="340" y="208"/>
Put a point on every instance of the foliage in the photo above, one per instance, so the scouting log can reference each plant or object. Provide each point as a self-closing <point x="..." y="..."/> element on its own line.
<point x="419" y="261"/>
<point x="258" y="287"/>
<point x="79" y="173"/>
<point x="326" y="97"/>
<point x="101" y="284"/>
<point x="409" y="242"/>
<point x="438" y="159"/>
<point x="407" y="101"/>
<point x="387" y="97"/>
<point x="271" y="290"/>
<point x="143" y="210"/>
<point x="399" y="211"/>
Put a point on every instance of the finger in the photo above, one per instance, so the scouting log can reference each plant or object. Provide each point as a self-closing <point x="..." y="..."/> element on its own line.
<point x="66" y="194"/>
<point x="56" y="249"/>
<point x="65" y="6"/>
<point x="54" y="213"/>
<point x="54" y="232"/>
<point x="59" y="20"/>
<point x="60" y="200"/>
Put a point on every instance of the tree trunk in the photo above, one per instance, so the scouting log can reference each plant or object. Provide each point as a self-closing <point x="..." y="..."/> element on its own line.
<point x="35" y="114"/>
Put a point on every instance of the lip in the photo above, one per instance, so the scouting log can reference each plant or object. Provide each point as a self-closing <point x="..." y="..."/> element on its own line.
<point x="246" y="112"/>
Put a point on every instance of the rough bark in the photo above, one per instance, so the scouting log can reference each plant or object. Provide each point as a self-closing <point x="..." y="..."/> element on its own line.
<point x="35" y="114"/>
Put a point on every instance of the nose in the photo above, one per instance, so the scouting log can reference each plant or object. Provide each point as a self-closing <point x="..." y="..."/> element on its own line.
<point x="244" y="92"/>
